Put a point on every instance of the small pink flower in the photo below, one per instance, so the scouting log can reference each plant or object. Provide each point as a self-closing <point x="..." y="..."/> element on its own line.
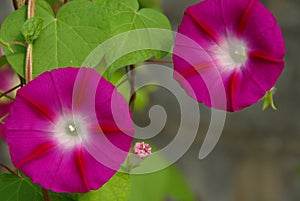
<point x="240" y="48"/>
<point x="142" y="149"/>
<point x="61" y="135"/>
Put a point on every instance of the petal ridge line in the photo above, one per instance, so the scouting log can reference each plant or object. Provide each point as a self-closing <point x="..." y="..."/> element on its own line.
<point x="37" y="153"/>
<point x="83" y="86"/>
<point x="254" y="79"/>
<point x="55" y="88"/>
<point x="232" y="89"/>
<point x="196" y="69"/>
<point x="206" y="29"/>
<point x="223" y="18"/>
<point x="39" y="107"/>
<point x="257" y="55"/>
<point x="110" y="129"/>
<point x="243" y="21"/>
<point x="58" y="166"/>
<point x="82" y="169"/>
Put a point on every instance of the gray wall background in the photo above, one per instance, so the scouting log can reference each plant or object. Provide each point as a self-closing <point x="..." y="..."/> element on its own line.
<point x="258" y="155"/>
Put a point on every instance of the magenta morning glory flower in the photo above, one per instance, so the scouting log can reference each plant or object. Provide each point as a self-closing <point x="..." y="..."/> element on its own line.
<point x="60" y="133"/>
<point x="241" y="41"/>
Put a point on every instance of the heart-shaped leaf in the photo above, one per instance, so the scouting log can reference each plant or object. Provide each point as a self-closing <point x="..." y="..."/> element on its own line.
<point x="65" y="39"/>
<point x="78" y="28"/>
<point x="16" y="188"/>
<point x="21" y="188"/>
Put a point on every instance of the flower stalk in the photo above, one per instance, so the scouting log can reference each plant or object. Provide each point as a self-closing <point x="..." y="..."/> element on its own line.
<point x="28" y="63"/>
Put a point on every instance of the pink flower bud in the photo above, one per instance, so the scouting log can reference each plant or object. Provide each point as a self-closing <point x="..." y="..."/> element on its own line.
<point x="142" y="149"/>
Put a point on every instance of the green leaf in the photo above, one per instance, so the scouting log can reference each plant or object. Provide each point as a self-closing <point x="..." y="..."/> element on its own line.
<point x="79" y="27"/>
<point x="65" y="40"/>
<point x="32" y="29"/>
<point x="63" y="196"/>
<point x="160" y="185"/>
<point x="268" y="99"/>
<point x="125" y="16"/>
<point x="167" y="183"/>
<point x="16" y="188"/>
<point x="3" y="60"/>
<point x="116" y="189"/>
<point x="21" y="188"/>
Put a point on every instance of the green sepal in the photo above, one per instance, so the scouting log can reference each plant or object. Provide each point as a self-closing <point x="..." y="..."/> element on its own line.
<point x="268" y="99"/>
<point x="32" y="29"/>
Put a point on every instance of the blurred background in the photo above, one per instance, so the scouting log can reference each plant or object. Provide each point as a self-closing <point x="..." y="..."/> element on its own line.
<point x="258" y="155"/>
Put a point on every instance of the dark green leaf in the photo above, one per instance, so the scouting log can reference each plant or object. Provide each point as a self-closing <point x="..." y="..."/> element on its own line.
<point x="136" y="46"/>
<point x="16" y="188"/>
<point x="3" y="60"/>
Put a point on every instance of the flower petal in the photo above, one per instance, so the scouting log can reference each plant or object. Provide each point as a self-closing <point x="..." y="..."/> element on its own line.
<point x="256" y="19"/>
<point x="207" y="17"/>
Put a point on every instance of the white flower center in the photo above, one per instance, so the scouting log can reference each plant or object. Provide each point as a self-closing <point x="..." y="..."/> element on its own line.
<point x="70" y="130"/>
<point x="232" y="54"/>
<point x="237" y="51"/>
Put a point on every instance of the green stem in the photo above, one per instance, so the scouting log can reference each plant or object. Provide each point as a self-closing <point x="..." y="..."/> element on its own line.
<point x="2" y="118"/>
<point x="7" y="96"/>
<point x="7" y="45"/>
<point x="122" y="82"/>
